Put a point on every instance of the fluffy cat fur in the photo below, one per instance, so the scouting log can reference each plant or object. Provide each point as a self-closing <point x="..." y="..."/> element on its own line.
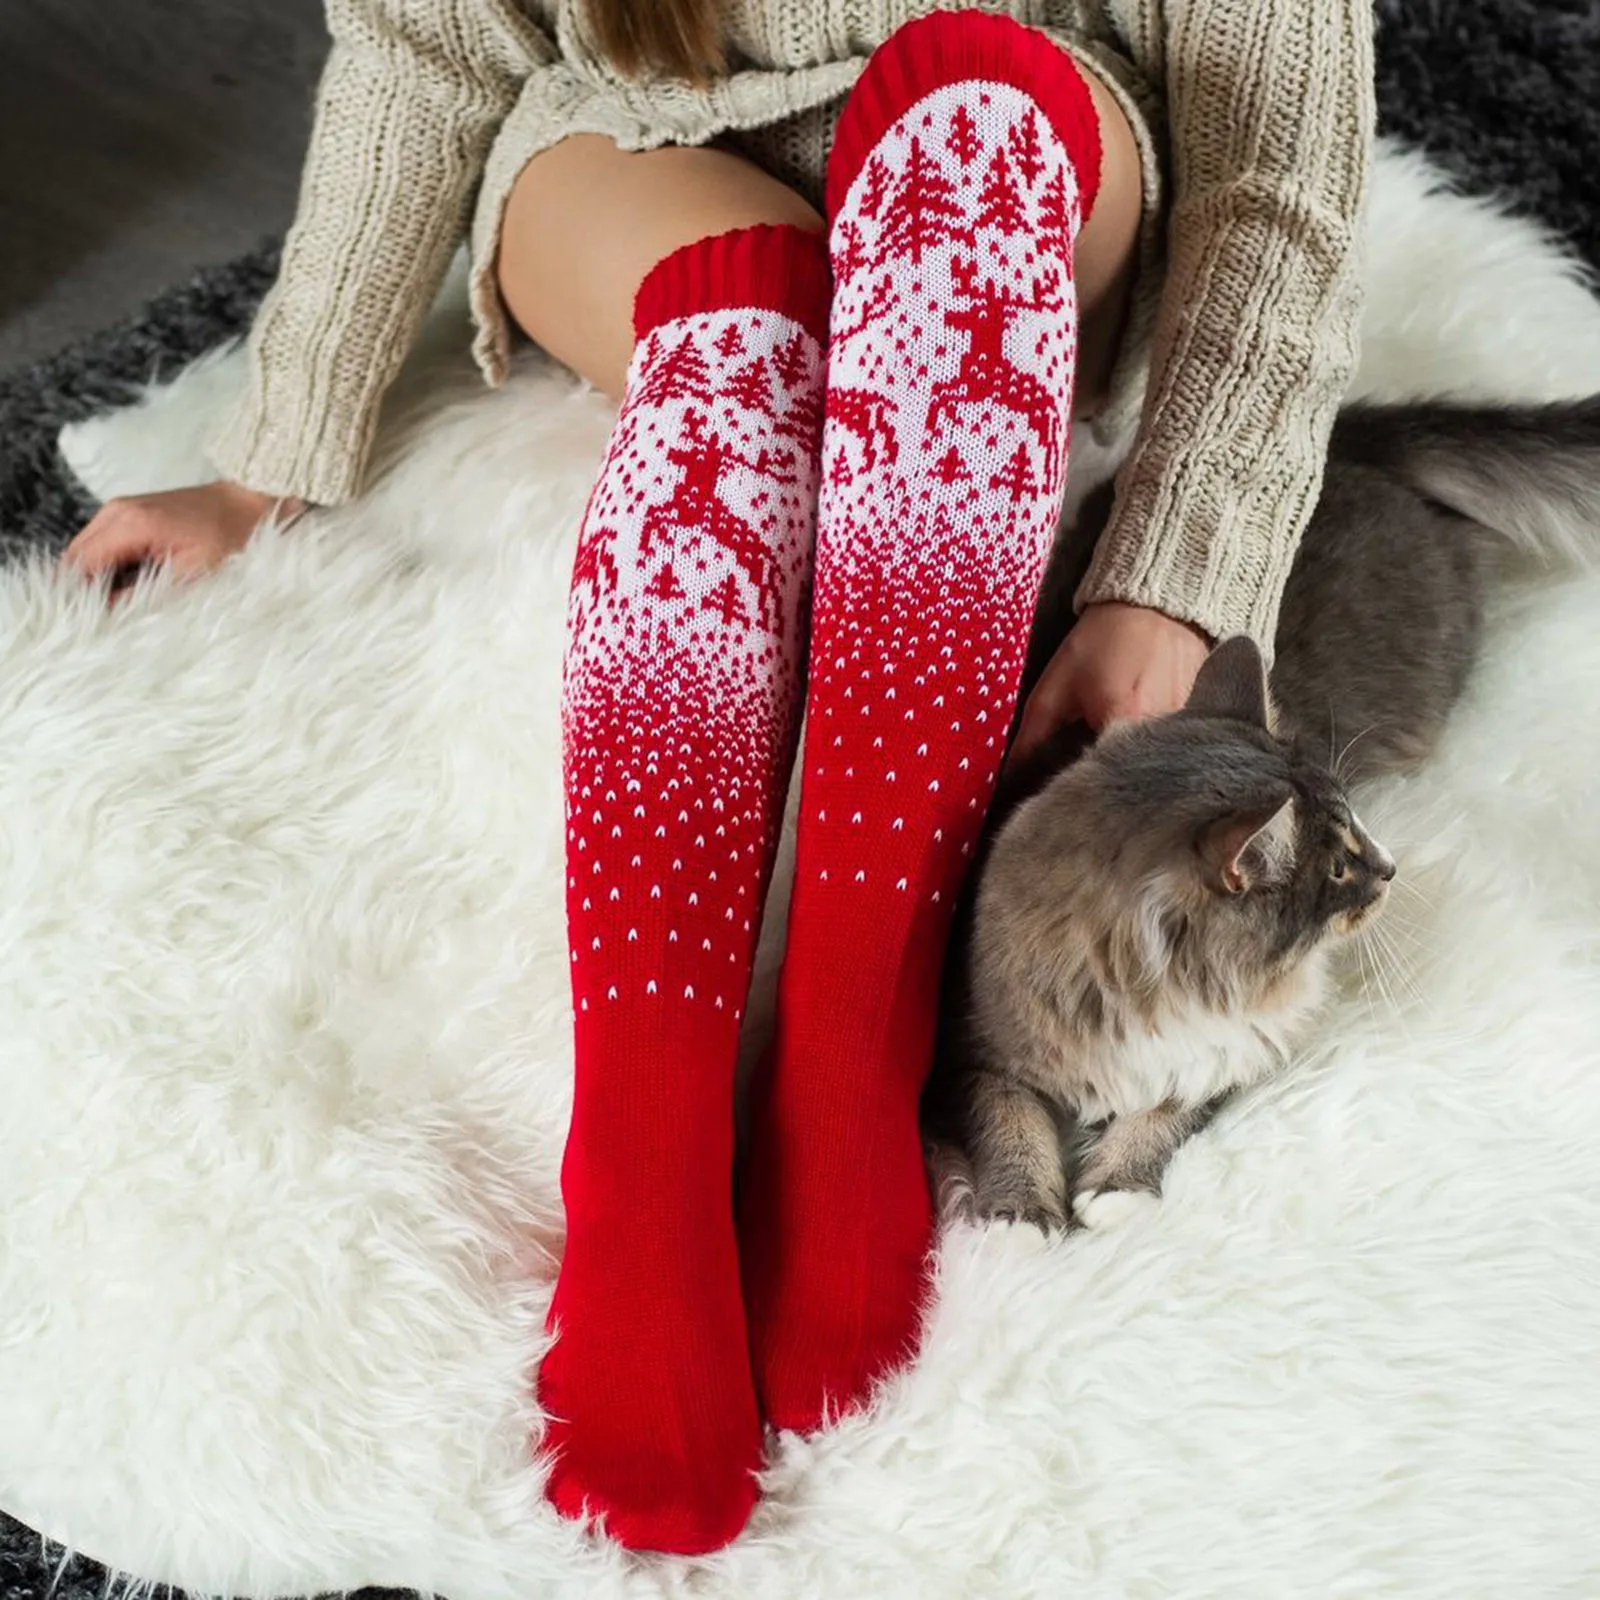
<point x="1151" y="927"/>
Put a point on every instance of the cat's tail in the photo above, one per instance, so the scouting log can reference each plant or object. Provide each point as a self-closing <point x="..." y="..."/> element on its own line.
<point x="1529" y="473"/>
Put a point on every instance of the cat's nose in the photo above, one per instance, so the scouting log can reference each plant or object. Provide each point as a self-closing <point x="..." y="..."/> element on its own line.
<point x="1386" y="868"/>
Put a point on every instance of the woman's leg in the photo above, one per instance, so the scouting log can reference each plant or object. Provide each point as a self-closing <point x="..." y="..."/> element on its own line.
<point x="965" y="164"/>
<point x="679" y="712"/>
<point x="1106" y="251"/>
<point x="586" y="221"/>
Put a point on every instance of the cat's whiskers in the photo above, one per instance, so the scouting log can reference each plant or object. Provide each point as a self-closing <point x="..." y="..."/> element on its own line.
<point x="1370" y="950"/>
<point x="1384" y="949"/>
<point x="1398" y="927"/>
<point x="1366" y="979"/>
<point x="1368" y="942"/>
<point x="1414" y="891"/>
<point x="1337" y="765"/>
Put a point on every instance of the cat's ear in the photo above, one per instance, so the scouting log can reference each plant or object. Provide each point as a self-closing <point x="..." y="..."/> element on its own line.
<point x="1233" y="683"/>
<point x="1241" y="851"/>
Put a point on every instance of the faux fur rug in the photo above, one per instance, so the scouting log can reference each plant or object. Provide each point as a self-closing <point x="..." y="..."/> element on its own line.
<point x="286" y="1068"/>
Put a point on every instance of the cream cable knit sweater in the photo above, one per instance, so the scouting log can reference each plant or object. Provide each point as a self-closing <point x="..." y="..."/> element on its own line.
<point x="429" y="108"/>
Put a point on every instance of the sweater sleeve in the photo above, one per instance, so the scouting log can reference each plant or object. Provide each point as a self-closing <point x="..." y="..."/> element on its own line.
<point x="408" y="106"/>
<point x="1271" y="112"/>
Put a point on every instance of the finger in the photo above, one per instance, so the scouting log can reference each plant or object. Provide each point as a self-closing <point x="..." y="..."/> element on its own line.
<point x="1031" y="731"/>
<point x="185" y="561"/>
<point x="123" y="582"/>
<point x="1052" y="705"/>
<point x="1031" y="725"/>
<point x="119" y="544"/>
<point x="87" y="535"/>
<point x="176" y="559"/>
<point x="181" y="561"/>
<point x="1101" y="708"/>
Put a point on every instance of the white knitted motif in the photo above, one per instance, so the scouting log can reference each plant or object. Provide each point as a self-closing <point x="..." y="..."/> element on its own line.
<point x="683" y="659"/>
<point x="952" y="352"/>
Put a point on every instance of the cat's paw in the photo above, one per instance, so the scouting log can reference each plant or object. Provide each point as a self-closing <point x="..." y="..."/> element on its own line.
<point x="1046" y="1212"/>
<point x="1110" y="1208"/>
<point x="950" y="1174"/>
<point x="1105" y="1170"/>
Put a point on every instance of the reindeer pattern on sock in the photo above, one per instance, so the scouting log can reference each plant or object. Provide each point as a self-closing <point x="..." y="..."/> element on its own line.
<point x="702" y="530"/>
<point x="685" y="638"/>
<point x="958" y="239"/>
<point x="986" y="375"/>
<point x="952" y="348"/>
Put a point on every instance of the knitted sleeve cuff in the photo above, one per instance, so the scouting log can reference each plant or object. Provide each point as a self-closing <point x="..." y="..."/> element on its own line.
<point x="408" y="105"/>
<point x="1210" y="565"/>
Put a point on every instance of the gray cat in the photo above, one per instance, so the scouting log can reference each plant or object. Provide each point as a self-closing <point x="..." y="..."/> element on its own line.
<point x="1151" y="929"/>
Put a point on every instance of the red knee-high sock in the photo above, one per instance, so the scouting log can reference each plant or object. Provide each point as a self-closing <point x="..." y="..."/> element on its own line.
<point x="681" y="685"/>
<point x="965" y="161"/>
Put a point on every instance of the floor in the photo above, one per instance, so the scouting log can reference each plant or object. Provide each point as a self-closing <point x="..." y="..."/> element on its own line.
<point x="140" y="139"/>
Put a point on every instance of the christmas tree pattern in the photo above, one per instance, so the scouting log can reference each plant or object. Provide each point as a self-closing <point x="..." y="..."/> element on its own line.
<point x="681" y="373"/>
<point x="751" y="386"/>
<point x="1057" y="215"/>
<point x="964" y="140"/>
<point x="875" y="186"/>
<point x="848" y="255"/>
<point x="679" y="697"/>
<point x="1016" y="477"/>
<point x="1023" y="141"/>
<point x="1001" y="206"/>
<point x="922" y="212"/>
<point x="952" y="348"/>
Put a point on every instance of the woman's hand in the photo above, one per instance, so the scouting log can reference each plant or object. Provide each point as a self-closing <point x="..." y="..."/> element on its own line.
<point x="1118" y="661"/>
<point x="189" y="530"/>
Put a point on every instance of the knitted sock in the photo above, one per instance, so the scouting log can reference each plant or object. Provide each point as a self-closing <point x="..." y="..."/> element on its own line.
<point x="681" y="687"/>
<point x="964" y="163"/>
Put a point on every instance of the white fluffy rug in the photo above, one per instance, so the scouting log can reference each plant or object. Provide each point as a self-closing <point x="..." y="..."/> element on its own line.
<point x="285" y="1077"/>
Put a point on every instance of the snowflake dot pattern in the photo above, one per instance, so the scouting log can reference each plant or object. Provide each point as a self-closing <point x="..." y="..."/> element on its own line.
<point x="955" y="197"/>
<point x="684" y="651"/>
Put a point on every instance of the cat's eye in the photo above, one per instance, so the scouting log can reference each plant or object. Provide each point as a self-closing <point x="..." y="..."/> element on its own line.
<point x="1341" y="872"/>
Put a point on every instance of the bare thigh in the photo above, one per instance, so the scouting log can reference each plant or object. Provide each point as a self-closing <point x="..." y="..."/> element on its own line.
<point x="1107" y="249"/>
<point x="586" y="221"/>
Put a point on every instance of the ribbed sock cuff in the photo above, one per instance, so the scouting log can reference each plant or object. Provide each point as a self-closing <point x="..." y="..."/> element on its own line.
<point x="773" y="267"/>
<point x="955" y="47"/>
